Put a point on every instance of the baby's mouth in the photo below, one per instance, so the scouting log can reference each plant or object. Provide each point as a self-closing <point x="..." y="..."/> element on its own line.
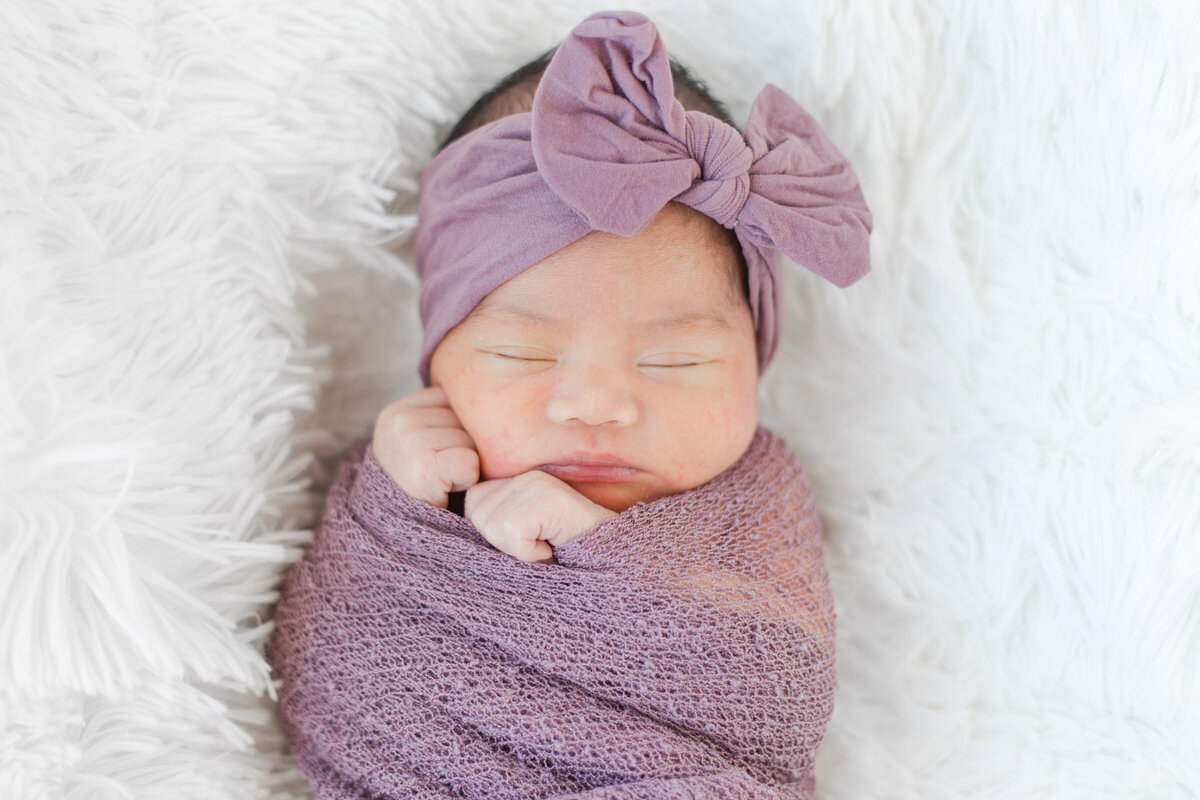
<point x="591" y="473"/>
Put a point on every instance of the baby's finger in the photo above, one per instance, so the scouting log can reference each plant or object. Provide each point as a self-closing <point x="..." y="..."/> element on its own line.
<point x="433" y="417"/>
<point x="423" y="398"/>
<point x="434" y="475"/>
<point x="400" y="441"/>
<point x="480" y="498"/>
<point x="458" y="468"/>
<point x="400" y="412"/>
<point x="434" y="439"/>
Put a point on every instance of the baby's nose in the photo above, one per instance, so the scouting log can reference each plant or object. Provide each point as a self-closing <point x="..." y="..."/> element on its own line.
<point x="594" y="397"/>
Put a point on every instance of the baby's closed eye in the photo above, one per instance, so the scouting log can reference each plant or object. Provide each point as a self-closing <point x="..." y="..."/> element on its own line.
<point x="513" y="357"/>
<point x="673" y="362"/>
<point x="659" y="361"/>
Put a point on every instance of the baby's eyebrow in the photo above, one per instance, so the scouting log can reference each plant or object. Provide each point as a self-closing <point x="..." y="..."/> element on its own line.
<point x="684" y="318"/>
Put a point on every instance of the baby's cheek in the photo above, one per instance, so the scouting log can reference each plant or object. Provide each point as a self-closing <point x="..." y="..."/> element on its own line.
<point x="743" y="411"/>
<point x="497" y="458"/>
<point x="722" y="426"/>
<point x="741" y="400"/>
<point x="505" y="435"/>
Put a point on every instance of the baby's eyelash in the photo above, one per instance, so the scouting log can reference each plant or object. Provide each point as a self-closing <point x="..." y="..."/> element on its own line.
<point x="519" y="358"/>
<point x="655" y="366"/>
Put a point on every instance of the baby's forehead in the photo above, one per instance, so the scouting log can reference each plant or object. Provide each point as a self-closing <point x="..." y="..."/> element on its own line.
<point x="681" y="260"/>
<point x="614" y="310"/>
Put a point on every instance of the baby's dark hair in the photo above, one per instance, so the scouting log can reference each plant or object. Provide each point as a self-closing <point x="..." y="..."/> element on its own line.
<point x="514" y="94"/>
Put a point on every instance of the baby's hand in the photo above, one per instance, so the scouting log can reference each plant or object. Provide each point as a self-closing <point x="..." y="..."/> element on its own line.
<point x="420" y="443"/>
<point x="525" y="514"/>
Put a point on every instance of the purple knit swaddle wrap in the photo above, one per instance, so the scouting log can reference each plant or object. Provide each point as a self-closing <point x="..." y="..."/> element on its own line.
<point x="683" y="648"/>
<point x="605" y="148"/>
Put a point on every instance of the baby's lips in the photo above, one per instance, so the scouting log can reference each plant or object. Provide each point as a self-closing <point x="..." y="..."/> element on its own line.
<point x="592" y="473"/>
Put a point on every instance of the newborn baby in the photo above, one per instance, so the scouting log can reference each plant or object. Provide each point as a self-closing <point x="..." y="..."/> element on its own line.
<point x="616" y="370"/>
<point x="574" y="559"/>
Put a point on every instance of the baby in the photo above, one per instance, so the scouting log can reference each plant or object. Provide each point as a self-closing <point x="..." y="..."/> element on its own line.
<point x="600" y="290"/>
<point x="617" y="369"/>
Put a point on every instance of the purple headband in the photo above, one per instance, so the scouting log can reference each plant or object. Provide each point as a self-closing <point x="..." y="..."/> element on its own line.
<point x="606" y="147"/>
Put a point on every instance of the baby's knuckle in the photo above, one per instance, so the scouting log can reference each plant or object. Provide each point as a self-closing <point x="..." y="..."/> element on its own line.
<point x="429" y="485"/>
<point x="467" y="465"/>
<point x="533" y="480"/>
<point x="419" y="440"/>
<point x="505" y="528"/>
<point x="495" y="533"/>
<point x="395" y="425"/>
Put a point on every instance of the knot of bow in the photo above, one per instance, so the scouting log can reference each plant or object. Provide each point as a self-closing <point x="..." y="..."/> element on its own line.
<point x="613" y="142"/>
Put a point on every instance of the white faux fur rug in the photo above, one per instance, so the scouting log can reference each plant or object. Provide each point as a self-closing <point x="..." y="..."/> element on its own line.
<point x="203" y="299"/>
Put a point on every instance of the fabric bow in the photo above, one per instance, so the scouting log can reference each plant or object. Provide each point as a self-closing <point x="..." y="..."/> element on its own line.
<point x="606" y="147"/>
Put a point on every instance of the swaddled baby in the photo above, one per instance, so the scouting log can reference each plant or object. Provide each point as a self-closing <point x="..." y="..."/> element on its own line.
<point x="573" y="564"/>
<point x="621" y="367"/>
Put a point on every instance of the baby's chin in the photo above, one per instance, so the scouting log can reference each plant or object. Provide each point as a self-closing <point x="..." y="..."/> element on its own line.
<point x="616" y="496"/>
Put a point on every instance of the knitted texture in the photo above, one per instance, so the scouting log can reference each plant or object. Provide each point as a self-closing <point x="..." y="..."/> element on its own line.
<point x="681" y="648"/>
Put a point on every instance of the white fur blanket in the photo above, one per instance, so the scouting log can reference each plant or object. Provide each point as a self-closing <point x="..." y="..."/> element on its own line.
<point x="205" y="294"/>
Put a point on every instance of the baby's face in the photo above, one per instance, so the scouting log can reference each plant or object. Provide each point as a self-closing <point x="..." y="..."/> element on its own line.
<point x="579" y="353"/>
